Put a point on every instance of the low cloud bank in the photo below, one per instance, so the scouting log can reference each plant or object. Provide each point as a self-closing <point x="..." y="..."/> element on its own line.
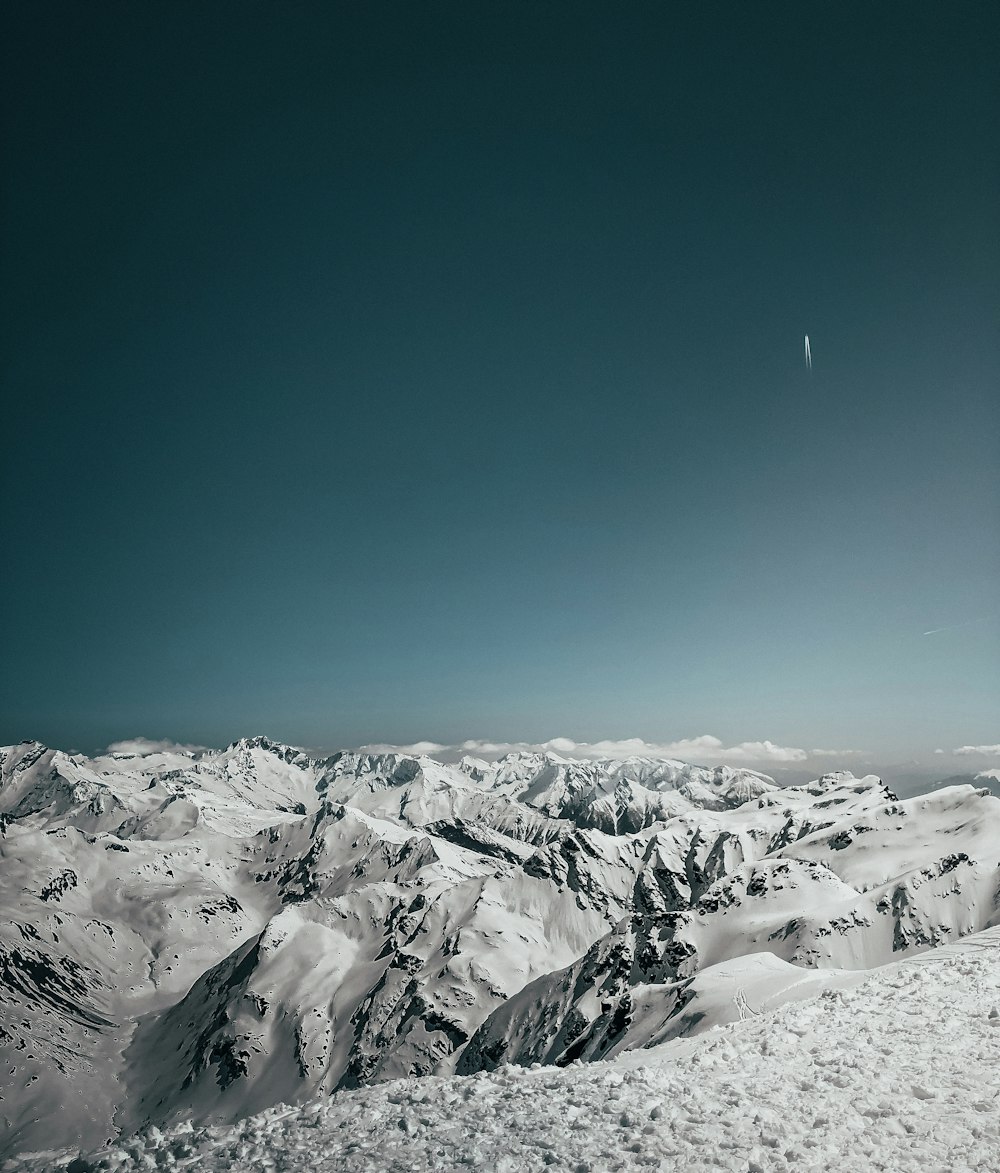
<point x="704" y="749"/>
<point x="143" y="746"/>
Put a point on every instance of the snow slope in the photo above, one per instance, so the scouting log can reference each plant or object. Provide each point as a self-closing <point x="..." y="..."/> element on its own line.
<point x="894" y="1071"/>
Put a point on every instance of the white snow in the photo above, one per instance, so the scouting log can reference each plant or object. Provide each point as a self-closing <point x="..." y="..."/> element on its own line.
<point x="900" y="1071"/>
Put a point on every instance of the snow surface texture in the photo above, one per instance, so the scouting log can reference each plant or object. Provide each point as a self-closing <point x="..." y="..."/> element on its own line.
<point x="191" y="936"/>
<point x="901" y="1072"/>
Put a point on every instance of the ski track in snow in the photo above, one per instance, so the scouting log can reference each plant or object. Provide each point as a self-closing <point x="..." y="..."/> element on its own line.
<point x="742" y="1005"/>
<point x="898" y="1073"/>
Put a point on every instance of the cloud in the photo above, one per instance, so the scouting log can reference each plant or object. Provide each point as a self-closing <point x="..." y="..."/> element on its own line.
<point x="629" y="747"/>
<point x="993" y="774"/>
<point x="142" y="746"/>
<point x="419" y="747"/>
<point x="564" y="745"/>
<point x="416" y="749"/>
<point x="708" y="748"/>
<point x="979" y="751"/>
<point x="490" y="747"/>
<point x="939" y="751"/>
<point x="765" y="751"/>
<point x="704" y="748"/>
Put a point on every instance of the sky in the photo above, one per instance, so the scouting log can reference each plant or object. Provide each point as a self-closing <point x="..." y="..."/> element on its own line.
<point x="390" y="372"/>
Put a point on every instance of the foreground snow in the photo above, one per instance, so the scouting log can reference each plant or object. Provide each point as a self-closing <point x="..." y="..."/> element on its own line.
<point x="899" y="1070"/>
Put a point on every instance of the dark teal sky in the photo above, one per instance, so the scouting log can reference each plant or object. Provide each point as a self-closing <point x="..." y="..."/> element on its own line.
<point x="382" y="372"/>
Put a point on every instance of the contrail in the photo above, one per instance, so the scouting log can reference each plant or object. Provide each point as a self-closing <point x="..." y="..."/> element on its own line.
<point x="954" y="626"/>
<point x="809" y="357"/>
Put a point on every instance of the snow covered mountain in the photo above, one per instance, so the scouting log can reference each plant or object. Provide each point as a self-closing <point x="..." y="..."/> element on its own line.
<point x="894" y="1070"/>
<point x="206" y="934"/>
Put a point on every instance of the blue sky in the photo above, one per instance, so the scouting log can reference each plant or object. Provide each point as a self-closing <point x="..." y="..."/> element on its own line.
<point x="392" y="372"/>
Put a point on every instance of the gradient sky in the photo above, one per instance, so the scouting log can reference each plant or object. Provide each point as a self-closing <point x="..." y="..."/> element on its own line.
<point x="384" y="372"/>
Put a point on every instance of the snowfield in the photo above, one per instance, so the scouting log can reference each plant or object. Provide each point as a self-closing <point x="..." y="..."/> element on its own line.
<point x="900" y="1072"/>
<point x="533" y="960"/>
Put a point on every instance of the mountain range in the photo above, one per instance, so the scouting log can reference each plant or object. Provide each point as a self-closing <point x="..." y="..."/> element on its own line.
<point x="203" y="935"/>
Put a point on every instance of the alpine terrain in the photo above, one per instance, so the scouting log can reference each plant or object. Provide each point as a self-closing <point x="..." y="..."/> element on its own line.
<point x="199" y="948"/>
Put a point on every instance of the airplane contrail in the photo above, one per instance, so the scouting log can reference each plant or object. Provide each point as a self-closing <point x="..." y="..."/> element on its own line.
<point x="954" y="626"/>
<point x="809" y="357"/>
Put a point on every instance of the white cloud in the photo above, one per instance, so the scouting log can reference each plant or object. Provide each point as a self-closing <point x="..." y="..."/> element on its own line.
<point x="704" y="748"/>
<point x="765" y="751"/>
<point x="561" y="745"/>
<point x="979" y="751"/>
<point x="416" y="749"/>
<point x="492" y="747"/>
<point x="939" y="751"/>
<point x="419" y="747"/>
<point x="709" y="748"/>
<point x="144" y="746"/>
<point x="994" y="774"/>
